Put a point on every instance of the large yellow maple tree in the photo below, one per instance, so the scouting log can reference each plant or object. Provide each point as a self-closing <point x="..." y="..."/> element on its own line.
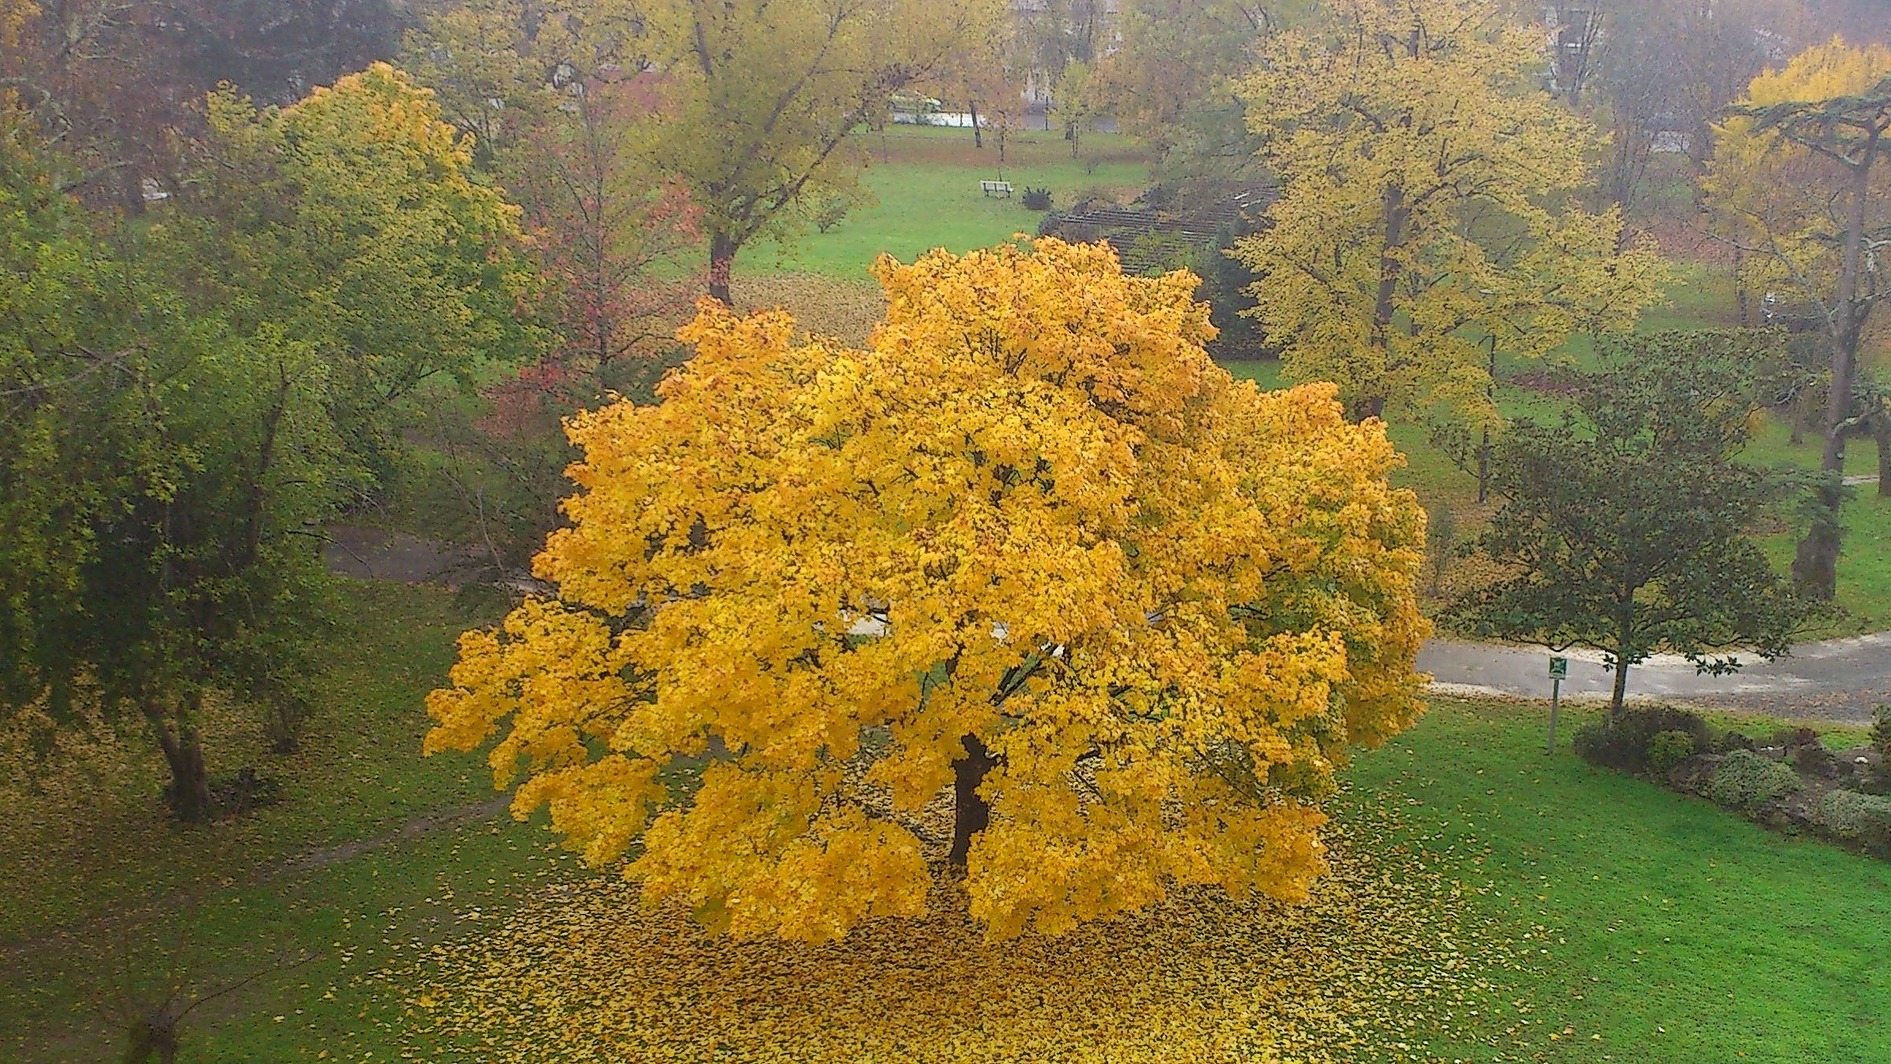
<point x="1029" y="548"/>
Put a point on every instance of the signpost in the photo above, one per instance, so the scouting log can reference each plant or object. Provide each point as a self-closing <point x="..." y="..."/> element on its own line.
<point x="1559" y="668"/>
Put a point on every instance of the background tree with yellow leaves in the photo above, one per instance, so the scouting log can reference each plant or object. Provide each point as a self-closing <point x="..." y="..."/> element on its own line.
<point x="1426" y="206"/>
<point x="1801" y="183"/>
<point x="1030" y="545"/>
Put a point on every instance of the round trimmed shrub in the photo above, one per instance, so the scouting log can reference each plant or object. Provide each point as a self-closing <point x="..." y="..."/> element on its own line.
<point x="1591" y="743"/>
<point x="1862" y="818"/>
<point x="1744" y="779"/>
<point x="1668" y="749"/>
<point x="1624" y="746"/>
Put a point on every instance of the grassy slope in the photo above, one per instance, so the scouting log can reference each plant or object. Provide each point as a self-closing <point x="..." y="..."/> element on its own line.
<point x="1664" y="911"/>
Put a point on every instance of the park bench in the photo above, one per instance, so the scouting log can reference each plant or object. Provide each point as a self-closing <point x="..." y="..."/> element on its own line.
<point x="1001" y="187"/>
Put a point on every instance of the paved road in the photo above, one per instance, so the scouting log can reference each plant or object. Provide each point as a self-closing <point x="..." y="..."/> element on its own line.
<point x="1840" y="679"/>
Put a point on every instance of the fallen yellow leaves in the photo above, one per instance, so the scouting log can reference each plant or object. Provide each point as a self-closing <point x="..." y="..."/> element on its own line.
<point x="1381" y="964"/>
<point x="826" y="306"/>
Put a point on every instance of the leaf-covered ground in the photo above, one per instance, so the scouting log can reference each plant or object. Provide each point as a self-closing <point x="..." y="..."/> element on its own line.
<point x="1384" y="964"/>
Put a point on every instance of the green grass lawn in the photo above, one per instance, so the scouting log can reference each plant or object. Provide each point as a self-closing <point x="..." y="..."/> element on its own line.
<point x="1676" y="931"/>
<point x="355" y="778"/>
<point x="924" y="193"/>
<point x="1670" y="929"/>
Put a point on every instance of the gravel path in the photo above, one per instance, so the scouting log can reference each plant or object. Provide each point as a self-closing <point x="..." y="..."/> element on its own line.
<point x="1838" y="679"/>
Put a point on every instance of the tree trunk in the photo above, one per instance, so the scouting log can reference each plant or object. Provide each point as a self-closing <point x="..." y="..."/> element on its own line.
<point x="1621" y="690"/>
<point x="970" y="812"/>
<point x="1483" y="469"/>
<point x="1881" y="431"/>
<point x="284" y="726"/>
<point x="154" y="1036"/>
<point x="1393" y="210"/>
<point x="1741" y="304"/>
<point x="1815" y="564"/>
<point x="1394" y="213"/>
<point x="1624" y="639"/>
<point x="1367" y="406"/>
<point x="189" y="792"/>
<point x="978" y="137"/>
<point x="721" y="260"/>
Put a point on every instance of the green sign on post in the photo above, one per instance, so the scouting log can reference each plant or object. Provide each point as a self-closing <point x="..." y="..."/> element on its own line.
<point x="1559" y="668"/>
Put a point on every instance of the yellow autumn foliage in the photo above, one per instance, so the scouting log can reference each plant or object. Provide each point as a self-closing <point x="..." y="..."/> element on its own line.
<point x="1030" y="513"/>
<point x="1427" y="206"/>
<point x="14" y="16"/>
<point x="1785" y="202"/>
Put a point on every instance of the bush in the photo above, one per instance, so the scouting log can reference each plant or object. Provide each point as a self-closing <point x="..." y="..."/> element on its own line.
<point x="1728" y="741"/>
<point x="1745" y="779"/>
<point x="1814" y="759"/>
<point x="1625" y="746"/>
<point x="1668" y="749"/>
<point x="1591" y="743"/>
<point x="1037" y="199"/>
<point x="1864" y="818"/>
<point x="1881" y="731"/>
<point x="1787" y="738"/>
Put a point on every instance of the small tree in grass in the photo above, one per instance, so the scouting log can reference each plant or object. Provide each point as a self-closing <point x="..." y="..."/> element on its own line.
<point x="1626" y="527"/>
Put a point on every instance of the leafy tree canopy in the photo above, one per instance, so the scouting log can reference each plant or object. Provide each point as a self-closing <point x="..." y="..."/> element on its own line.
<point x="1030" y="543"/>
<point x="1424" y="209"/>
<point x="1627" y="527"/>
<point x="353" y="219"/>
<point x="160" y="472"/>
<point x="1809" y="125"/>
<point x="183" y="405"/>
<point x="1800" y="181"/>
